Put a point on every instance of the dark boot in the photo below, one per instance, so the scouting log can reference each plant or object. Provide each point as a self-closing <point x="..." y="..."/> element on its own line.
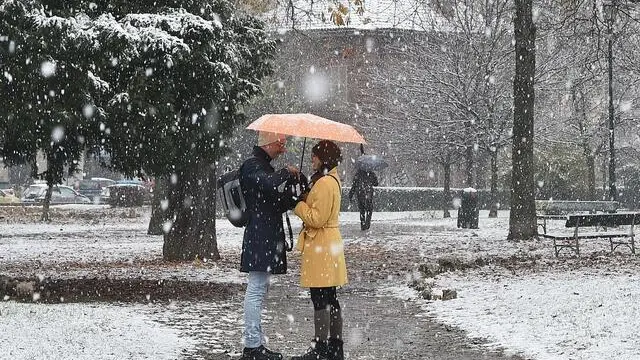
<point x="319" y="350"/>
<point x="335" y="324"/>
<point x="336" y="351"/>
<point x="260" y="353"/>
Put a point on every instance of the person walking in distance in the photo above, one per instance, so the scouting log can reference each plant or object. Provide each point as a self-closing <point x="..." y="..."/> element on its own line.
<point x="362" y="187"/>
<point x="263" y="245"/>
<point x="322" y="266"/>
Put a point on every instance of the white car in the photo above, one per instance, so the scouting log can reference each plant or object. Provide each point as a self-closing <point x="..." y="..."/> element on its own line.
<point x="61" y="194"/>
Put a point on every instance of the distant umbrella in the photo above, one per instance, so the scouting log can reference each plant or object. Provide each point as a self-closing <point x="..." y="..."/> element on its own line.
<point x="370" y="163"/>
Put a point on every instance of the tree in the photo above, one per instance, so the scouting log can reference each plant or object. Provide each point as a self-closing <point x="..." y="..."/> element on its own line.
<point x="572" y="85"/>
<point x="474" y="81"/>
<point x="451" y="82"/>
<point x="175" y="76"/>
<point x="177" y="97"/>
<point x="522" y="219"/>
<point x="50" y="90"/>
<point x="568" y="87"/>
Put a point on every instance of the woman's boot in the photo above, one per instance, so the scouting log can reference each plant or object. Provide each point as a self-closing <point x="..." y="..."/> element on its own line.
<point x="319" y="350"/>
<point x="336" y="351"/>
<point x="320" y="346"/>
<point x="335" y="334"/>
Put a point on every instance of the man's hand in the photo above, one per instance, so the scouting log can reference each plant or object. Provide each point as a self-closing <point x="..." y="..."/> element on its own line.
<point x="293" y="170"/>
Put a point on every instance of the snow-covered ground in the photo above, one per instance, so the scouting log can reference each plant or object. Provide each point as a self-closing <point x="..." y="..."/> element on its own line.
<point x="559" y="312"/>
<point x="84" y="331"/>
<point x="574" y="315"/>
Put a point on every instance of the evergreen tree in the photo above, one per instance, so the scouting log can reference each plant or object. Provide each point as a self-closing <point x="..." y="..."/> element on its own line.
<point x="158" y="85"/>
<point x="180" y="74"/>
<point x="48" y="88"/>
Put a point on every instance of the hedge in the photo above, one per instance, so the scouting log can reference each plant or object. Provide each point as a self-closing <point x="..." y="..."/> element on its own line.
<point x="418" y="199"/>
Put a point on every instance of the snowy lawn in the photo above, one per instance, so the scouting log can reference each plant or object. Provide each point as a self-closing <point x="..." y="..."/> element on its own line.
<point x="84" y="331"/>
<point x="565" y="308"/>
<point x="574" y="315"/>
<point x="562" y="310"/>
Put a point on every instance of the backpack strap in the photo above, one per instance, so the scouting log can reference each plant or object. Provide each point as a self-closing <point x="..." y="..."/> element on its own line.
<point x="337" y="182"/>
<point x="288" y="246"/>
<point x="334" y="178"/>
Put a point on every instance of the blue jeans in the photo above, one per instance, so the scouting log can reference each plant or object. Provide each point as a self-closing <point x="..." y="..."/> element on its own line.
<point x="257" y="289"/>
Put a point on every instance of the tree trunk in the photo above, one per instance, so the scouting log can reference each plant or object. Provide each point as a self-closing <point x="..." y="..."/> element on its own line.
<point x="469" y="165"/>
<point x="493" y="210"/>
<point x="522" y="220"/>
<point x="613" y="193"/>
<point x="590" y="160"/>
<point x="193" y="234"/>
<point x="605" y="180"/>
<point x="160" y="215"/>
<point x="47" y="201"/>
<point x="591" y="168"/>
<point x="469" y="160"/>
<point x="50" y="182"/>
<point x="446" y="196"/>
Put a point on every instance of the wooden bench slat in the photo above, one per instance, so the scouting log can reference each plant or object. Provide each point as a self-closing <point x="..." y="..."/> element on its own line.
<point x="587" y="236"/>
<point x="558" y="207"/>
<point x="603" y="220"/>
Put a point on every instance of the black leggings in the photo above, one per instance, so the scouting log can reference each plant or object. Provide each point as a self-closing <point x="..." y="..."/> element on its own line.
<point x="322" y="298"/>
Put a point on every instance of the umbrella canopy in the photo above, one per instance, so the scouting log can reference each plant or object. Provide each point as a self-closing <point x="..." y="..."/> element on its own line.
<point x="370" y="163"/>
<point x="307" y="126"/>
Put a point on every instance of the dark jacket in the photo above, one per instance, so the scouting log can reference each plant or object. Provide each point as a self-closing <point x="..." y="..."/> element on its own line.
<point x="263" y="245"/>
<point x="363" y="184"/>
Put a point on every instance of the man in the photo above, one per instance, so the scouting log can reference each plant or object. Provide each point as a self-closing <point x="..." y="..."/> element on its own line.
<point x="362" y="186"/>
<point x="263" y="246"/>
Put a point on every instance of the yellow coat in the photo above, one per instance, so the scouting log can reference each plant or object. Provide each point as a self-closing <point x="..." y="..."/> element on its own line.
<point x="320" y="242"/>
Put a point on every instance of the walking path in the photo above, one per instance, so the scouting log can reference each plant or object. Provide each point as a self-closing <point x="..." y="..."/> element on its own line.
<point x="377" y="325"/>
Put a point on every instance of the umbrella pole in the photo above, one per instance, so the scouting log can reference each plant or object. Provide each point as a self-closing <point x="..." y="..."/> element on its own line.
<point x="304" y="145"/>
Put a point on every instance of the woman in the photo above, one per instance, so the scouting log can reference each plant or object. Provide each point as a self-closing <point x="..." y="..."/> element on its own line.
<point x="323" y="265"/>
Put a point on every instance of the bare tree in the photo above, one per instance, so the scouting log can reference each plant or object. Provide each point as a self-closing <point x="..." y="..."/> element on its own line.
<point x="451" y="83"/>
<point x="572" y="85"/>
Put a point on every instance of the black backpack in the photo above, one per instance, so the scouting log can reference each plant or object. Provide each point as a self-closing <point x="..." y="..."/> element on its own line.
<point x="235" y="207"/>
<point x="231" y="198"/>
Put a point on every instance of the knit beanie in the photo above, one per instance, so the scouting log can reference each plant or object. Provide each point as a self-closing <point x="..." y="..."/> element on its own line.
<point x="328" y="153"/>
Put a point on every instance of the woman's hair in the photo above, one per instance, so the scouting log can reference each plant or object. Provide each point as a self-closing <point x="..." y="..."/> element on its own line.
<point x="328" y="153"/>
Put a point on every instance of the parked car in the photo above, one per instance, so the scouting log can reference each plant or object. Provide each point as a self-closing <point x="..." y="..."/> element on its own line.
<point x="61" y="194"/>
<point x="126" y="193"/>
<point x="7" y="187"/>
<point x="92" y="188"/>
<point x="7" y="198"/>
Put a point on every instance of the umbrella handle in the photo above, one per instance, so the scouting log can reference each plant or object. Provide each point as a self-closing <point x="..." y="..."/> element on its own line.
<point x="304" y="145"/>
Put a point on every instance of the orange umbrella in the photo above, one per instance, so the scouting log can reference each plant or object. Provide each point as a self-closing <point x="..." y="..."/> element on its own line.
<point x="307" y="126"/>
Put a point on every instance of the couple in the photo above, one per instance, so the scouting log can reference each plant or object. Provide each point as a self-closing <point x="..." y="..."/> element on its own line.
<point x="323" y="265"/>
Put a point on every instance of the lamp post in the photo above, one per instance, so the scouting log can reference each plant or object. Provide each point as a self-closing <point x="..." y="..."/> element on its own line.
<point x="609" y="8"/>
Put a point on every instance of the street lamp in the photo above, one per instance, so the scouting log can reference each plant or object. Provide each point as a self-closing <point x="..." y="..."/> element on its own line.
<point x="610" y="9"/>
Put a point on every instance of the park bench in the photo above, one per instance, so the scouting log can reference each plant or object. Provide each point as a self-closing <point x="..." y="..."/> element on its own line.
<point x="599" y="226"/>
<point x="559" y="209"/>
